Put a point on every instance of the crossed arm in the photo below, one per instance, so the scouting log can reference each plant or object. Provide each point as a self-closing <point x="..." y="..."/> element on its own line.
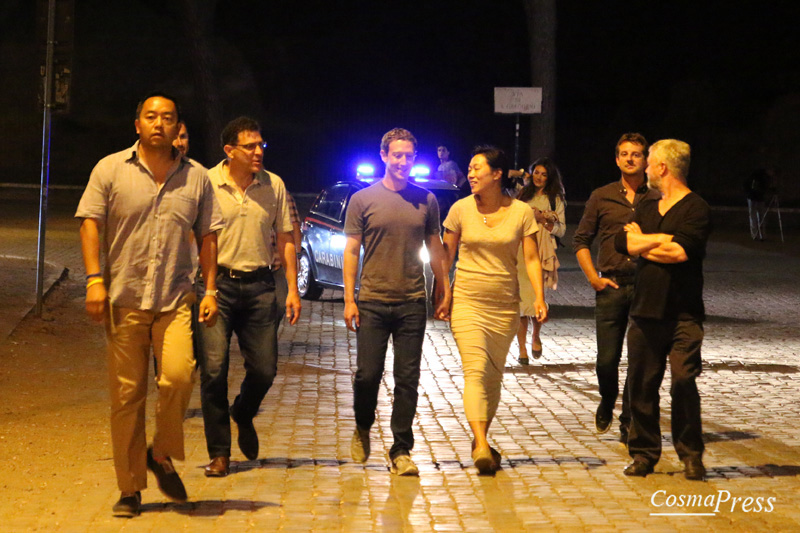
<point x="656" y="247"/>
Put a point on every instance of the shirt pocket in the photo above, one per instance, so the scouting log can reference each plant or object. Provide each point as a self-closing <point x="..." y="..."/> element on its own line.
<point x="181" y="209"/>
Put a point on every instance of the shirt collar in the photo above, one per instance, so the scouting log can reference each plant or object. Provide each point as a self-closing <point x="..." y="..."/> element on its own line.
<point x="217" y="175"/>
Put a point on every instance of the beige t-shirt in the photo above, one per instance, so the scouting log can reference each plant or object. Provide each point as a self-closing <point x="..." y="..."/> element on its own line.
<point x="246" y="241"/>
<point x="487" y="257"/>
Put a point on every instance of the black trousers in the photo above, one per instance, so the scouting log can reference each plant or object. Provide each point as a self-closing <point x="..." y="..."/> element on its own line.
<point x="611" y="321"/>
<point x="650" y="344"/>
<point x="405" y="324"/>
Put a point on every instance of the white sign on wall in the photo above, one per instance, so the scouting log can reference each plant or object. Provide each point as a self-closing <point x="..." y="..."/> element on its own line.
<point x="523" y="100"/>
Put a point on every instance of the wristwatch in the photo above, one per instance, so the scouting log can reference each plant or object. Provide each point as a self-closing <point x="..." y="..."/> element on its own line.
<point x="212" y="292"/>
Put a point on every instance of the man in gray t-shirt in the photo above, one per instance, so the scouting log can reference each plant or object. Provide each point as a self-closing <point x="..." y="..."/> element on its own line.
<point x="392" y="219"/>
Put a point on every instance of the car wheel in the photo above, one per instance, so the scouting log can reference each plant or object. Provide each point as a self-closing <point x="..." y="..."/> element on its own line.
<point x="307" y="286"/>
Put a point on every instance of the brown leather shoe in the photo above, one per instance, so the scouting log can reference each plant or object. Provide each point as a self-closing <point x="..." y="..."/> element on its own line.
<point x="218" y="467"/>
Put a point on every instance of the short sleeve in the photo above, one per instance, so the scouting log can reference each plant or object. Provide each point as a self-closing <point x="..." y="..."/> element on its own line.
<point x="209" y="214"/>
<point x="529" y="224"/>
<point x="94" y="201"/>
<point x="283" y="221"/>
<point x="432" y="220"/>
<point x="453" y="220"/>
<point x="354" y="219"/>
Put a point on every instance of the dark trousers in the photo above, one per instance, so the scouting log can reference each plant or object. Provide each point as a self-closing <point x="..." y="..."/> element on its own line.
<point x="405" y="323"/>
<point x="611" y="321"/>
<point x="650" y="344"/>
<point x="248" y="308"/>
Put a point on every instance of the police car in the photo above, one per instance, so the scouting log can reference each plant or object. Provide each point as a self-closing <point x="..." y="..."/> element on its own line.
<point x="322" y="255"/>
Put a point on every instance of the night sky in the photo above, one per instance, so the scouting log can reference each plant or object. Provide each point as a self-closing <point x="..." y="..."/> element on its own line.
<point x="327" y="79"/>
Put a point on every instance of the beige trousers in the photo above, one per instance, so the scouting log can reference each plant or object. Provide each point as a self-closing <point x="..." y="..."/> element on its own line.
<point x="129" y="334"/>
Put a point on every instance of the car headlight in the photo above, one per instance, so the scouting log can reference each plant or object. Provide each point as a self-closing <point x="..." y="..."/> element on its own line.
<point x="423" y="254"/>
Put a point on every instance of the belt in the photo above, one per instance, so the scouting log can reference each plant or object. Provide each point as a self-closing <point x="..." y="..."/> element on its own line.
<point x="620" y="278"/>
<point x="261" y="273"/>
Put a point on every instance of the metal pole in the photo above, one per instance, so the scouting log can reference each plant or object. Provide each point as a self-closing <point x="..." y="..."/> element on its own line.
<point x="516" y="144"/>
<point x="46" y="122"/>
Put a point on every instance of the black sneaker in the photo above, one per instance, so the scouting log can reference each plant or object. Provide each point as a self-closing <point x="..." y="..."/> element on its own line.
<point x="248" y="438"/>
<point x="168" y="479"/>
<point x="128" y="506"/>
<point x="602" y="418"/>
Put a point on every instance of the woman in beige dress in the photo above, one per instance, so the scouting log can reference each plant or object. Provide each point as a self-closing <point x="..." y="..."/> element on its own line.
<point x="488" y="227"/>
<point x="544" y="192"/>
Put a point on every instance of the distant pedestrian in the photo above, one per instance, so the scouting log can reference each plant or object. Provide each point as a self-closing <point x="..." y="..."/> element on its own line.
<point x="392" y="219"/>
<point x="544" y="193"/>
<point x="448" y="169"/>
<point x="254" y="203"/>
<point x="607" y="211"/>
<point x="181" y="142"/>
<point x="488" y="228"/>
<point x="669" y="235"/>
<point x="148" y="203"/>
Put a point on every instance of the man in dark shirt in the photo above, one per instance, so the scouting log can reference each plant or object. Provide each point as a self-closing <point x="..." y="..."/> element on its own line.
<point x="669" y="235"/>
<point x="609" y="208"/>
<point x="391" y="219"/>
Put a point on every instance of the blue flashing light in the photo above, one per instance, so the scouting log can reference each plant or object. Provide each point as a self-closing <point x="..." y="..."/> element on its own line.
<point x="420" y="170"/>
<point x="365" y="169"/>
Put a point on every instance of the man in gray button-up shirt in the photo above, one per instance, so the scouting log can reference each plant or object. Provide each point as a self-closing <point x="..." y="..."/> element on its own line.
<point x="148" y="203"/>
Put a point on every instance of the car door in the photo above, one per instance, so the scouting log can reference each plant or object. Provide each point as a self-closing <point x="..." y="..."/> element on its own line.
<point x="326" y="233"/>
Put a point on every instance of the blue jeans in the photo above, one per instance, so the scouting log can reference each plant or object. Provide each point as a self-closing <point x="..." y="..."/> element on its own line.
<point x="248" y="308"/>
<point x="405" y="323"/>
<point x="611" y="321"/>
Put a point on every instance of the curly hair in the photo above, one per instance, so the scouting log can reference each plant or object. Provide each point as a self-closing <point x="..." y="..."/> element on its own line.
<point x="553" y="187"/>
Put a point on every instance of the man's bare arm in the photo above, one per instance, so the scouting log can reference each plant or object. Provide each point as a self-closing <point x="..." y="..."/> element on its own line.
<point x="286" y="246"/>
<point x="208" y="265"/>
<point x="97" y="294"/>
<point x="352" y="250"/>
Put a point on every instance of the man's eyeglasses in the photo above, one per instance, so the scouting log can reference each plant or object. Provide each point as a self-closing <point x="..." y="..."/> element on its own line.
<point x="249" y="147"/>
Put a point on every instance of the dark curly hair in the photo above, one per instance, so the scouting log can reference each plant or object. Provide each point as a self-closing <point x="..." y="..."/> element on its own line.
<point x="553" y="188"/>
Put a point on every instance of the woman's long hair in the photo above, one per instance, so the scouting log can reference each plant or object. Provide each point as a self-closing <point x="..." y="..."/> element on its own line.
<point x="553" y="188"/>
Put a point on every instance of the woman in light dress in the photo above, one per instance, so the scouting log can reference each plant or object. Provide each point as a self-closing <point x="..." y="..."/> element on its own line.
<point x="488" y="228"/>
<point x="544" y="192"/>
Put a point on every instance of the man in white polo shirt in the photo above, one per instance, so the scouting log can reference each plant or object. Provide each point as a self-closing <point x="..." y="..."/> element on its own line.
<point x="253" y="202"/>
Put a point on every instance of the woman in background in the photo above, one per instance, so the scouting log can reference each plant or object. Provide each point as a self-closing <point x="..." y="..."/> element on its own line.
<point x="544" y="192"/>
<point x="489" y="227"/>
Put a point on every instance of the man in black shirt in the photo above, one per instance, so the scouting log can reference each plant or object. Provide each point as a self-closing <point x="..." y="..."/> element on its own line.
<point x="609" y="208"/>
<point x="669" y="235"/>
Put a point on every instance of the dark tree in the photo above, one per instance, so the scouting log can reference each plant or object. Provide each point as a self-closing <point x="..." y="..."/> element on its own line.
<point x="196" y="17"/>
<point x="542" y="22"/>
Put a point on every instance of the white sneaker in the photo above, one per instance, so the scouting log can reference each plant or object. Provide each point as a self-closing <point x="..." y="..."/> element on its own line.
<point x="359" y="446"/>
<point x="402" y="465"/>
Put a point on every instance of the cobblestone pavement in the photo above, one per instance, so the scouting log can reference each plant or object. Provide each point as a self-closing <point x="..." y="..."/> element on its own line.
<point x="558" y="473"/>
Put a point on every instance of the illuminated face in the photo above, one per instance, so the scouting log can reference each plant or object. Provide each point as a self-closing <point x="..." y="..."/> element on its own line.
<point x="443" y="153"/>
<point x="630" y="159"/>
<point x="481" y="176"/>
<point x="157" y="124"/>
<point x="539" y="177"/>
<point x="654" y="169"/>
<point x="182" y="141"/>
<point x="247" y="155"/>
<point x="399" y="160"/>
